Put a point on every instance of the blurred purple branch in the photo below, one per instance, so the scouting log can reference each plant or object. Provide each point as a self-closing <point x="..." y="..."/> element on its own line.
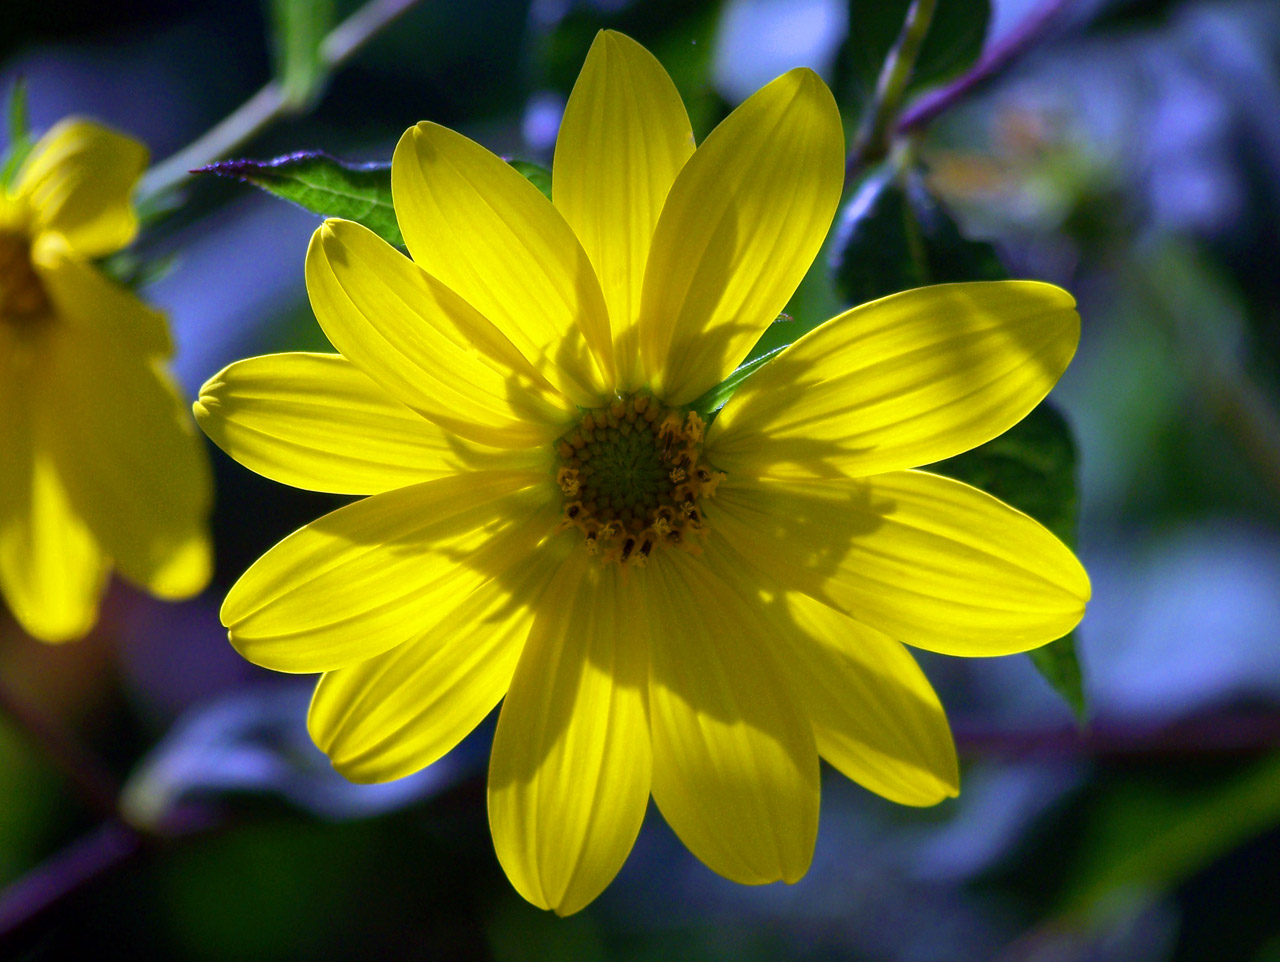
<point x="40" y="893"/>
<point x="1216" y="735"/>
<point x="999" y="58"/>
<point x="29" y="900"/>
<point x="270" y="103"/>
<point x="995" y="61"/>
<point x="92" y="781"/>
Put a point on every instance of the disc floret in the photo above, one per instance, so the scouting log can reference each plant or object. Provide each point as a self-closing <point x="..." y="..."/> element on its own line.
<point x="632" y="478"/>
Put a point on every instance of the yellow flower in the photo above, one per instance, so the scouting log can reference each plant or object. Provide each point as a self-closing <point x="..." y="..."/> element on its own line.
<point x="100" y="466"/>
<point x="697" y="612"/>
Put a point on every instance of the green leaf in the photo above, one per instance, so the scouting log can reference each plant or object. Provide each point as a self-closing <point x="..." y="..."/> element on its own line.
<point x="1032" y="467"/>
<point x="894" y="235"/>
<point x="325" y="186"/>
<point x="20" y="142"/>
<point x="298" y="27"/>
<point x="540" y="177"/>
<point x="953" y="43"/>
<point x="328" y="187"/>
<point x="716" y="398"/>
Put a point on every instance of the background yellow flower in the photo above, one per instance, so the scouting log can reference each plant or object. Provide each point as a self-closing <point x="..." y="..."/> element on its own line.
<point x="100" y="467"/>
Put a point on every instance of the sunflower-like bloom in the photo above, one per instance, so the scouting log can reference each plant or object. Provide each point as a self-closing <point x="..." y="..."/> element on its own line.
<point x="697" y="611"/>
<point x="100" y="465"/>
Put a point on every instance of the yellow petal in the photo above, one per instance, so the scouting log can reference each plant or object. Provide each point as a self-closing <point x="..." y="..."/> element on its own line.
<point x="133" y="464"/>
<point x="402" y="710"/>
<point x="77" y="181"/>
<point x="741" y="225"/>
<point x="52" y="572"/>
<point x="424" y="344"/>
<point x="624" y="137"/>
<point x="903" y="381"/>
<point x="316" y="421"/>
<point x="373" y="575"/>
<point x="85" y="298"/>
<point x="735" y="769"/>
<point x="875" y="715"/>
<point x="569" y="774"/>
<point x="472" y="221"/>
<point x="925" y="559"/>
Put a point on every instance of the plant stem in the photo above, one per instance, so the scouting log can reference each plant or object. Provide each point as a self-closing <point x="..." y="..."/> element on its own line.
<point x="872" y="142"/>
<point x="270" y="103"/>
<point x="50" y="884"/>
<point x="93" y="782"/>
<point x="996" y="60"/>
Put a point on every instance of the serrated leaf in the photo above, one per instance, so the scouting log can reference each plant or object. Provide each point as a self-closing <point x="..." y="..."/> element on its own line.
<point x="19" y="133"/>
<point x="323" y="185"/>
<point x="298" y="27"/>
<point x="953" y="43"/>
<point x="537" y="175"/>
<point x="1032" y="467"/>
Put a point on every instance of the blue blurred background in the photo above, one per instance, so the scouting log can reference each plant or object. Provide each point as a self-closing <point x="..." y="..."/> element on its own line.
<point x="1133" y="157"/>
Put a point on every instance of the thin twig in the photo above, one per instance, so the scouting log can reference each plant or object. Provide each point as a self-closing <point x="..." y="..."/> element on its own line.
<point x="1215" y="736"/>
<point x="269" y="104"/>
<point x="999" y="58"/>
<point x="33" y="896"/>
<point x="92" y="780"/>
<point x="872" y="142"/>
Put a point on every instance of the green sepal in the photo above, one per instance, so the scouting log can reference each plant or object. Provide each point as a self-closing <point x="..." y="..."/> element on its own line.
<point x="713" y="400"/>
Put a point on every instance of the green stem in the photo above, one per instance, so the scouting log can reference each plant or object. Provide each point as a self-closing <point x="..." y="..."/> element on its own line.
<point x="872" y="142"/>
<point x="270" y="103"/>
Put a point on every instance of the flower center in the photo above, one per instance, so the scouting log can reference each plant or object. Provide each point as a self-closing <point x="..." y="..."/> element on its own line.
<point x="22" y="296"/>
<point x="632" y="480"/>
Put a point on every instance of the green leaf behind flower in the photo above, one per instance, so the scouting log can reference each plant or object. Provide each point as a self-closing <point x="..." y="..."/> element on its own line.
<point x="1032" y="467"/>
<point x="540" y="177"/>
<point x="319" y="183"/>
<point x="894" y="235"/>
<point x="328" y="187"/>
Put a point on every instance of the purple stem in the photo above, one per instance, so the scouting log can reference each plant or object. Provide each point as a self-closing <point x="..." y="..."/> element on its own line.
<point x="44" y="888"/>
<point x="1014" y="44"/>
